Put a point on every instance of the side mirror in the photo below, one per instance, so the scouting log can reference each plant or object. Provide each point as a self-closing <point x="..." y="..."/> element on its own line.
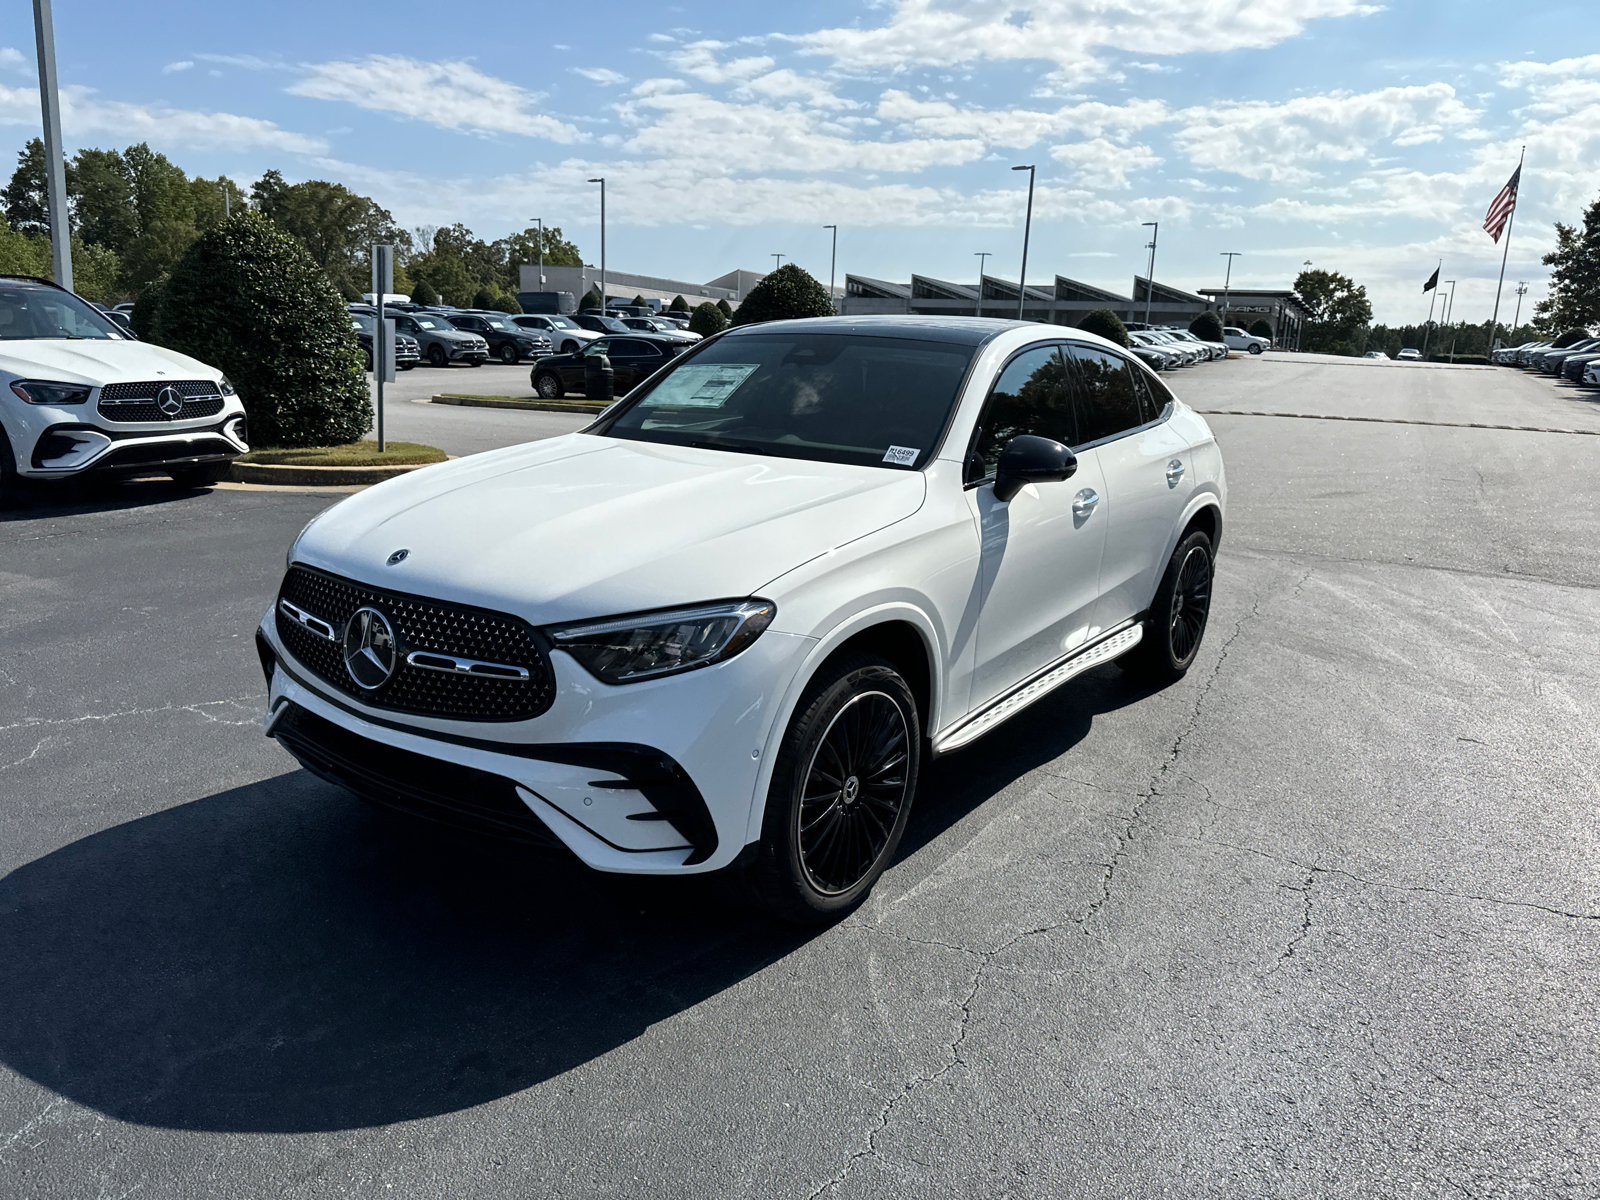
<point x="1031" y="459"/>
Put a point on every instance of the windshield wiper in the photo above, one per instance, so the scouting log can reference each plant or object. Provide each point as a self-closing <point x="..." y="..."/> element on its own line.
<point x="737" y="447"/>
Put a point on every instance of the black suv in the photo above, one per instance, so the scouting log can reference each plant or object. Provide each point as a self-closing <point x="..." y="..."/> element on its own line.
<point x="591" y="319"/>
<point x="508" y="341"/>
<point x="633" y="359"/>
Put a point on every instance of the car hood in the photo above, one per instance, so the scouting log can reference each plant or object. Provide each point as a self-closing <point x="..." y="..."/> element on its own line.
<point x="583" y="526"/>
<point x="94" y="362"/>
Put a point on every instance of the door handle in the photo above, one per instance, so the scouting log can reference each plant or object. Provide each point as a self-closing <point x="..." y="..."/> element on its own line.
<point x="1083" y="503"/>
<point x="1175" y="470"/>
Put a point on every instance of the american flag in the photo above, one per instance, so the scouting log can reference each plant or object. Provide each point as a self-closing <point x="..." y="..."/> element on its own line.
<point x="1500" y="209"/>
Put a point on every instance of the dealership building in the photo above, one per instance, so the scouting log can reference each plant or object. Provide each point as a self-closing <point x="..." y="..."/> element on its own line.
<point x="1068" y="301"/>
<point x="623" y="286"/>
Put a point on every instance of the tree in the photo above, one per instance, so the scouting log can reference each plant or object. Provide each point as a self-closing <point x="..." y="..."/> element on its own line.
<point x="1340" y="312"/>
<point x="1206" y="327"/>
<point x="723" y="307"/>
<point x="1574" y="298"/>
<point x="148" y="309"/>
<point x="506" y="303"/>
<point x="1260" y="329"/>
<point x="247" y="298"/>
<point x="156" y="251"/>
<point x="335" y="225"/>
<point x="591" y="299"/>
<point x="1570" y="338"/>
<point x="104" y="212"/>
<point x="707" y="319"/>
<point x="1107" y="324"/>
<point x="96" y="271"/>
<point x="638" y="302"/>
<point x="421" y="293"/>
<point x="485" y="298"/>
<point x="789" y="292"/>
<point x="24" y="255"/>
<point x="680" y="305"/>
<point x="26" y="198"/>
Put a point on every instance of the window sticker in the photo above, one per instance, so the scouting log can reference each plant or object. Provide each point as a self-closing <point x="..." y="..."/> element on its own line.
<point x="901" y="456"/>
<point x="701" y="385"/>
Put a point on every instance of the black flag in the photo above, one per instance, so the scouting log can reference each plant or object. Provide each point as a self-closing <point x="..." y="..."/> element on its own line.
<point x="1433" y="281"/>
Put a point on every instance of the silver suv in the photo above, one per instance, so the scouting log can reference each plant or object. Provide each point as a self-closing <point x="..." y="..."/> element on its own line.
<point x="442" y="343"/>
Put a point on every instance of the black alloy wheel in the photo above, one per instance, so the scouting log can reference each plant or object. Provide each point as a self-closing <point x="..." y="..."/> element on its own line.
<point x="436" y="355"/>
<point x="1176" y="622"/>
<point x="841" y="792"/>
<point x="509" y="355"/>
<point x="548" y="385"/>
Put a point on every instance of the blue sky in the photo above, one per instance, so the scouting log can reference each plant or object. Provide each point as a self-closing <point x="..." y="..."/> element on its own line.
<point x="1368" y="139"/>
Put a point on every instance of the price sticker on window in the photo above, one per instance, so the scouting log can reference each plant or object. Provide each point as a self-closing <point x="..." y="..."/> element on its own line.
<point x="701" y="385"/>
<point x="901" y="456"/>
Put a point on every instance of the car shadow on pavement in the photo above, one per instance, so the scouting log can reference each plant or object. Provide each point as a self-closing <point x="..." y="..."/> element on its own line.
<point x="36" y="501"/>
<point x="281" y="958"/>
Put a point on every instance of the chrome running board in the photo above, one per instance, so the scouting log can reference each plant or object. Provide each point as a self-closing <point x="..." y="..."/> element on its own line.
<point x="1011" y="703"/>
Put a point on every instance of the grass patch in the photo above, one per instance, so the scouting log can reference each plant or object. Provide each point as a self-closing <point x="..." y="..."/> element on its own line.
<point x="577" y="405"/>
<point x="356" y="454"/>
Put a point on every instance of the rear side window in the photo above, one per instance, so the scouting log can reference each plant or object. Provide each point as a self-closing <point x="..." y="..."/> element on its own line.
<point x="1107" y="402"/>
<point x="633" y="348"/>
<point x="1033" y="395"/>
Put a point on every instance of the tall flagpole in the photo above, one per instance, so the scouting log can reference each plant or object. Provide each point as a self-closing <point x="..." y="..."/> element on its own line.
<point x="1494" y="321"/>
<point x="1428" y="328"/>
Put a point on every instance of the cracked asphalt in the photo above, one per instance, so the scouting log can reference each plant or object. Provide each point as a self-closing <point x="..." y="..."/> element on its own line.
<point x="1322" y="919"/>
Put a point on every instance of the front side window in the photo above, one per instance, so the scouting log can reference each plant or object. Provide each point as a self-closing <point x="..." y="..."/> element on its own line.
<point x="845" y="398"/>
<point x="1033" y="395"/>
<point x="1107" y="402"/>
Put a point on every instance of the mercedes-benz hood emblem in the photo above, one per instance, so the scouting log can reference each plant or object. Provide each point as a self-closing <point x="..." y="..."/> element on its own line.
<point x="398" y="557"/>
<point x="370" y="652"/>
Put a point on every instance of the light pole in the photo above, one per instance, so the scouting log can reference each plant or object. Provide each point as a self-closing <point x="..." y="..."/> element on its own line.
<point x="777" y="261"/>
<point x="1449" y="307"/>
<point x="55" y="165"/>
<point x="539" y="221"/>
<point x="833" y="260"/>
<point x="602" y="182"/>
<point x="1150" y="271"/>
<point x="1230" y="255"/>
<point x="1027" y="228"/>
<point x="981" y="255"/>
<point x="1522" y="290"/>
<point x="227" y="199"/>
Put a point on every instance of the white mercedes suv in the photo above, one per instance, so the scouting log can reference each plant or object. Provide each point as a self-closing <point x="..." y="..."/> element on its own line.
<point x="79" y="395"/>
<point x="727" y="624"/>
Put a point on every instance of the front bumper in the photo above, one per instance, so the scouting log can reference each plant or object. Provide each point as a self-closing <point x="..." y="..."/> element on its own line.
<point x="64" y="449"/>
<point x="656" y="777"/>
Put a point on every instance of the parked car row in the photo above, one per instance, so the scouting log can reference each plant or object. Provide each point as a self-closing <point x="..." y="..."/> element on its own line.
<point x="1165" y="349"/>
<point x="1579" y="362"/>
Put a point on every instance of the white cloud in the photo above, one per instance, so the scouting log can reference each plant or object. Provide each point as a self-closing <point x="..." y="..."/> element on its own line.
<point x="1280" y="142"/>
<point x="172" y="68"/>
<point x="1523" y="74"/>
<point x="601" y="75"/>
<point x="1066" y="32"/>
<point x="451" y="95"/>
<point x="11" y="58"/>
<point x="699" y="59"/>
<point x="1102" y="164"/>
<point x="83" y="116"/>
<point x="786" y="84"/>
<point x="1018" y="128"/>
<point x="246" y="62"/>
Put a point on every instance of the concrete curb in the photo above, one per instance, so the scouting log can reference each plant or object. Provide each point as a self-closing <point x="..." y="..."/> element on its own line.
<point x="538" y="405"/>
<point x="298" y="476"/>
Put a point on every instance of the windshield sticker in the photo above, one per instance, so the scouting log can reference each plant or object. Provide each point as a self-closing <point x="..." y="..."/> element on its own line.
<point x="702" y="385"/>
<point x="901" y="456"/>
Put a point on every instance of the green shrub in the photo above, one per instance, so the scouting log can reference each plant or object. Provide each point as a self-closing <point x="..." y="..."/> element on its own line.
<point x="680" y="305"/>
<point x="707" y="320"/>
<point x="1261" y="329"/>
<point x="1107" y="324"/>
<point x="1206" y="327"/>
<point x="787" y="293"/>
<point x="507" y="303"/>
<point x="1570" y="338"/>
<point x="638" y="302"/>
<point x="486" y="297"/>
<point x="146" y="317"/>
<point x="423" y="293"/>
<point x="723" y="307"/>
<point x="247" y="298"/>
<point x="591" y="299"/>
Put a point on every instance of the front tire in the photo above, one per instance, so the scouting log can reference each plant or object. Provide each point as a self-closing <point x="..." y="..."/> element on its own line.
<point x="436" y="355"/>
<point x="548" y="385"/>
<point x="1255" y="347"/>
<point x="1178" y="614"/>
<point x="509" y="355"/>
<point x="841" y="792"/>
<point x="9" y="491"/>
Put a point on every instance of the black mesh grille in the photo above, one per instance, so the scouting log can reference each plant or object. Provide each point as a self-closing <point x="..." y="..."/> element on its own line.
<point x="137" y="401"/>
<point x="421" y="624"/>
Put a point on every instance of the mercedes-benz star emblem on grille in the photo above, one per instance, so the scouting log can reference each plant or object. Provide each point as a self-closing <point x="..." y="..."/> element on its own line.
<point x="169" y="402"/>
<point x="370" y="653"/>
<point x="398" y="557"/>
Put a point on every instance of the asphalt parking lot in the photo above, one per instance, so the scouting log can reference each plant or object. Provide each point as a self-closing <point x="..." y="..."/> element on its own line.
<point x="1323" y="919"/>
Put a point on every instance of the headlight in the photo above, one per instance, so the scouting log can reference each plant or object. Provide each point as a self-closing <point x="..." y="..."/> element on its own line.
<point x="42" y="391"/>
<point x="227" y="388"/>
<point x="649" y="645"/>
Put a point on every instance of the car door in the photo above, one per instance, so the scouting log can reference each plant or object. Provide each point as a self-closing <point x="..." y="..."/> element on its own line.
<point x="1124" y="415"/>
<point x="1041" y="550"/>
<point x="632" y="359"/>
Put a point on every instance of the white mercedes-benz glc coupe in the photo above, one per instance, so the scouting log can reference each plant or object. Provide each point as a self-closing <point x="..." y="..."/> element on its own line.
<point x="726" y="625"/>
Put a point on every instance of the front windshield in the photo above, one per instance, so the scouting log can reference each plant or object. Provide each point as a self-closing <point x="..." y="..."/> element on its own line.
<point x="870" y="401"/>
<point x="564" y="323"/>
<point x="28" y="310"/>
<point x="501" y="323"/>
<point x="437" y="324"/>
<point x="363" y="322"/>
<point x="612" y="324"/>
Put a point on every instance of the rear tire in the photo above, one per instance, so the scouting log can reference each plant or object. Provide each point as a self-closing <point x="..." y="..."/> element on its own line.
<point x="1178" y="614"/>
<point x="841" y="792"/>
<point x="548" y="385"/>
